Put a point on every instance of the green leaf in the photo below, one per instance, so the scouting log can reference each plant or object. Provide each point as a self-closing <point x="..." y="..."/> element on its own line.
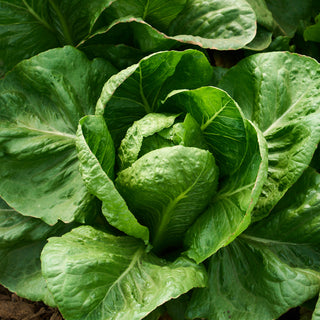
<point x="29" y="27"/>
<point x="312" y="33"/>
<point x="216" y="113"/>
<point x="261" y="41"/>
<point x="215" y="24"/>
<point x="229" y="213"/>
<point x="167" y="189"/>
<point x="139" y="89"/>
<point x="221" y="24"/>
<point x="96" y="156"/>
<point x="273" y="266"/>
<point x="41" y="102"/>
<point x="248" y="282"/>
<point x="147" y="126"/>
<point x="24" y="31"/>
<point x="93" y="275"/>
<point x="263" y="14"/>
<point x="288" y="14"/>
<point x="21" y="242"/>
<point x="159" y="13"/>
<point x="316" y="313"/>
<point x="279" y="92"/>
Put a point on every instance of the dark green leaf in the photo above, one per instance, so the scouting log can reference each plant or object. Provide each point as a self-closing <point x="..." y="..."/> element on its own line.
<point x="41" y="102"/>
<point x="229" y="212"/>
<point x="29" y="27"/>
<point x="21" y="242"/>
<point x="220" y="120"/>
<point x="312" y="33"/>
<point x="215" y="24"/>
<point x="273" y="266"/>
<point x="139" y="89"/>
<point x="279" y="92"/>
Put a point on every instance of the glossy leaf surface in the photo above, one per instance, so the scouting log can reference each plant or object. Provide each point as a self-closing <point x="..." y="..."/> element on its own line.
<point x="229" y="213"/>
<point x="97" y="156"/>
<point x="167" y="189"/>
<point x="279" y="92"/>
<point x="29" y="27"/>
<point x="139" y="89"/>
<point x="94" y="275"/>
<point x="273" y="266"/>
<point x="41" y="102"/>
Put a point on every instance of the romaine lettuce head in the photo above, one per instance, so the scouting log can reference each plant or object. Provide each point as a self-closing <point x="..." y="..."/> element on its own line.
<point x="190" y="166"/>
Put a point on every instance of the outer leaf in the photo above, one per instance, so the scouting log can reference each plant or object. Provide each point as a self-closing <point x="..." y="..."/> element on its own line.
<point x="41" y="102"/>
<point x="94" y="275"/>
<point x="230" y="210"/>
<point x="263" y="14"/>
<point x="247" y="281"/>
<point x="96" y="155"/>
<point x="159" y="13"/>
<point x="24" y="31"/>
<point x="167" y="189"/>
<point x="218" y="24"/>
<point x="279" y="92"/>
<point x="221" y="122"/>
<point x="261" y="41"/>
<point x="21" y="242"/>
<point x="29" y="27"/>
<point x="211" y="24"/>
<point x="288" y="13"/>
<point x="274" y="266"/>
<point x="139" y="89"/>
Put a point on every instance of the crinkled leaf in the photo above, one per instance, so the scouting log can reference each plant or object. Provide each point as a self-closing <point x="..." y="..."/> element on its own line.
<point x="159" y="25"/>
<point x="29" y="27"/>
<point x="229" y="213"/>
<point x="96" y="156"/>
<point x="215" y="24"/>
<point x="21" y="242"/>
<point x="167" y="189"/>
<point x="248" y="282"/>
<point x="147" y="126"/>
<point x="220" y="120"/>
<point x="93" y="275"/>
<point x="279" y="92"/>
<point x="273" y="266"/>
<point x="139" y="89"/>
<point x="41" y="102"/>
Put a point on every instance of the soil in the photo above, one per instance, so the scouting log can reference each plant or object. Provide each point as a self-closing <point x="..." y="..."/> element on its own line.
<point x="13" y="307"/>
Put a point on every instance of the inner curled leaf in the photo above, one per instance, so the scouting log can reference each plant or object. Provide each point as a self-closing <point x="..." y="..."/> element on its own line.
<point x="167" y="189"/>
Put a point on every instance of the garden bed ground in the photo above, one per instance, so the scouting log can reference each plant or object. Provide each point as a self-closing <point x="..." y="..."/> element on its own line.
<point x="13" y="307"/>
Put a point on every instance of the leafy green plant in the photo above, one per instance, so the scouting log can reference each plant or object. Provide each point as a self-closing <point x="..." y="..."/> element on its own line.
<point x="155" y="180"/>
<point x="122" y="31"/>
